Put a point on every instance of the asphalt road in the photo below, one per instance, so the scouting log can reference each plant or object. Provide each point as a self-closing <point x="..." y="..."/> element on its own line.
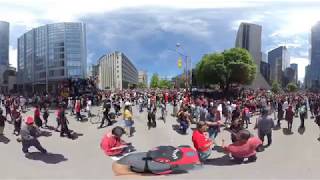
<point x="290" y="156"/>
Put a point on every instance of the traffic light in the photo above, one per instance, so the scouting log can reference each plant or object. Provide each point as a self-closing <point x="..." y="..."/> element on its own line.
<point x="179" y="63"/>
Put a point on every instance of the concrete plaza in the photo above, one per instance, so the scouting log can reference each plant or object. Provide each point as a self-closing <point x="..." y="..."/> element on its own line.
<point x="290" y="156"/>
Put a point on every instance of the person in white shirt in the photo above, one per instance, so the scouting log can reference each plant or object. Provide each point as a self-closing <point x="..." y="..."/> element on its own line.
<point x="89" y="103"/>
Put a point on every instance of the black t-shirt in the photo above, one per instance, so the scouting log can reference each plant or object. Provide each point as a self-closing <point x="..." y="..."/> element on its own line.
<point x="2" y="120"/>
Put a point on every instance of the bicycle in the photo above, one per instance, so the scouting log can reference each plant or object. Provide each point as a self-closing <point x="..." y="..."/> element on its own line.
<point x="96" y="119"/>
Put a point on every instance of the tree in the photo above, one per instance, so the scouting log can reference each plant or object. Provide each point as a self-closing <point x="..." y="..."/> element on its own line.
<point x="142" y="85"/>
<point x="275" y="87"/>
<point x="292" y="87"/>
<point x="154" y="83"/>
<point x="233" y="66"/>
<point x="165" y="84"/>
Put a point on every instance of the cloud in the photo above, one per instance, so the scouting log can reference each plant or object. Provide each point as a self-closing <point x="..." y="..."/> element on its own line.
<point x="145" y="29"/>
<point x="13" y="56"/>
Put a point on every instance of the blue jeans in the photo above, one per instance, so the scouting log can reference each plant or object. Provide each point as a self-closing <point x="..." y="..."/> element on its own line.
<point x="213" y="133"/>
<point x="184" y="126"/>
<point x="203" y="156"/>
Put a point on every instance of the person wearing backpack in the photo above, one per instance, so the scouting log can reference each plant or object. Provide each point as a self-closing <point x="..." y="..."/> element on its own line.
<point x="302" y="114"/>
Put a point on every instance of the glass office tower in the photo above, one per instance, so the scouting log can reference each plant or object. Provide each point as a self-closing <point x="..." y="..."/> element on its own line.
<point x="4" y="43"/>
<point x="49" y="54"/>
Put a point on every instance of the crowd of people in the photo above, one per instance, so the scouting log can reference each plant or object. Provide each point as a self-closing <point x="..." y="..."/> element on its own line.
<point x="210" y="115"/>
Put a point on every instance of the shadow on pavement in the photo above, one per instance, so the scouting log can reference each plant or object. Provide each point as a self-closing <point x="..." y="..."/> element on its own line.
<point x="277" y="127"/>
<point x="46" y="133"/>
<point x="176" y="127"/>
<point x="4" y="139"/>
<point x="51" y="128"/>
<point x="301" y="130"/>
<point x="221" y="161"/>
<point x="218" y="149"/>
<point x="49" y="158"/>
<point x="75" y="135"/>
<point x="286" y="131"/>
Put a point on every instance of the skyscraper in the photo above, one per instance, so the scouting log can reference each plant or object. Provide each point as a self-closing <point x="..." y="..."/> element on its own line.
<point x="295" y="68"/>
<point x="249" y="37"/>
<point x="314" y="73"/>
<point x="4" y="43"/>
<point x="278" y="59"/>
<point x="49" y="54"/>
<point x="4" y="53"/>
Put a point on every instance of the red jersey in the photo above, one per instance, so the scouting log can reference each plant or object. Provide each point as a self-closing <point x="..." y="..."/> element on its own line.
<point x="37" y="112"/>
<point x="244" y="149"/>
<point x="200" y="141"/>
<point x="78" y="108"/>
<point x="108" y="142"/>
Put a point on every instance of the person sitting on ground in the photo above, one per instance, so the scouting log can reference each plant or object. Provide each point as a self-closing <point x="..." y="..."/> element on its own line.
<point x="184" y="120"/>
<point x="201" y="141"/>
<point x="113" y="145"/>
<point x="244" y="147"/>
<point x="236" y="126"/>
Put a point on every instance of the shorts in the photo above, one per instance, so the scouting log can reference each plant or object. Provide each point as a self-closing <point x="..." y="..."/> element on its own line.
<point x="128" y="123"/>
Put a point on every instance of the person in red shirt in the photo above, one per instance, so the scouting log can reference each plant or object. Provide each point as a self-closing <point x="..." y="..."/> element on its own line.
<point x="289" y="117"/>
<point x="78" y="110"/>
<point x="201" y="141"/>
<point x="113" y="145"/>
<point x="37" y="118"/>
<point x="245" y="147"/>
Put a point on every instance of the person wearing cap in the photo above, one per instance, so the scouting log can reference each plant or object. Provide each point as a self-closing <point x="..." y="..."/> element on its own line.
<point x="265" y="125"/>
<point x="113" y="145"/>
<point x="128" y="119"/>
<point x="201" y="142"/>
<point x="245" y="147"/>
<point x="29" y="134"/>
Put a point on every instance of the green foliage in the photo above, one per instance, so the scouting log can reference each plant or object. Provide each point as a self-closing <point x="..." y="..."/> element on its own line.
<point x="165" y="84"/>
<point x="292" y="87"/>
<point x="232" y="66"/>
<point x="142" y="85"/>
<point x="276" y="88"/>
<point x="154" y="83"/>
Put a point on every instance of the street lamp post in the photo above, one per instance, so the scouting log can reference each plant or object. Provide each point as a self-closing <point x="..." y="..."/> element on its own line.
<point x="187" y="73"/>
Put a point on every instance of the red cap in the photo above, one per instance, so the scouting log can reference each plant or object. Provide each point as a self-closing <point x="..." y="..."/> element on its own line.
<point x="29" y="120"/>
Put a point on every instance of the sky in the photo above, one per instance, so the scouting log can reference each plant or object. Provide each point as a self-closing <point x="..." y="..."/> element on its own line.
<point x="148" y="31"/>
